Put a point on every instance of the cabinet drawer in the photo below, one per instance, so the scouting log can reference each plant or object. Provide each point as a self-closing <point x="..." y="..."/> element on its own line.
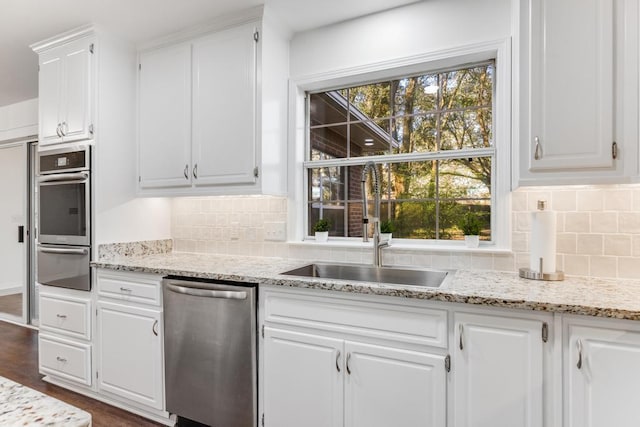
<point x="65" y="359"/>
<point x="65" y="315"/>
<point x="144" y="289"/>
<point x="397" y="322"/>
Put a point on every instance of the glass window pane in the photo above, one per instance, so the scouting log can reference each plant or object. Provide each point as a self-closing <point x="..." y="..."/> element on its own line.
<point x="413" y="180"/>
<point x="414" y="95"/>
<point x="334" y="212"/>
<point x="328" y="142"/>
<point x="326" y="184"/>
<point x="468" y="129"/>
<point x="369" y="138"/>
<point x="471" y="87"/>
<point x="414" y="134"/>
<point x="414" y="219"/>
<point x="325" y="109"/>
<point x="369" y="102"/>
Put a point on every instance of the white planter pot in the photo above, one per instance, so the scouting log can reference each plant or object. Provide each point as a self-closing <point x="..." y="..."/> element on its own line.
<point x="472" y="241"/>
<point x="386" y="237"/>
<point x="322" y="236"/>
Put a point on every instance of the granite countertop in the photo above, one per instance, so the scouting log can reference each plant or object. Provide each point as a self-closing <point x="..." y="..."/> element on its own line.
<point x="22" y="406"/>
<point x="586" y="296"/>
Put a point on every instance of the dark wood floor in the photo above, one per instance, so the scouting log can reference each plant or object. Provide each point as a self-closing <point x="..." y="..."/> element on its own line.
<point x="19" y="363"/>
<point x="11" y="304"/>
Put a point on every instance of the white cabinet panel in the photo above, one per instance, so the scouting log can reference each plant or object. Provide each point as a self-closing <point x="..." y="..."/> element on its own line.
<point x="130" y="353"/>
<point x="392" y="387"/>
<point x="77" y="84"/>
<point x="498" y="372"/>
<point x="65" y="88"/>
<point x="224" y="107"/>
<point x="302" y="379"/>
<point x="601" y="370"/>
<point x="49" y="93"/>
<point x="165" y="117"/>
<point x="66" y="359"/>
<point x="65" y="315"/>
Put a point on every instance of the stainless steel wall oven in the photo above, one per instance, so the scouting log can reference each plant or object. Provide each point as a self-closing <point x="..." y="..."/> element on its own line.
<point x="64" y="217"/>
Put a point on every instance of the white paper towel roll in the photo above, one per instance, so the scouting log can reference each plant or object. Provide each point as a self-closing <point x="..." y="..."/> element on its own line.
<point x="543" y="241"/>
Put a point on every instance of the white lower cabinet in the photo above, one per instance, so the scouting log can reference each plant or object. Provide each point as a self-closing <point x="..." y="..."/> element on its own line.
<point x="303" y="379"/>
<point x="130" y="353"/>
<point x="393" y="387"/>
<point x="601" y="374"/>
<point x="318" y="381"/>
<point x="498" y="371"/>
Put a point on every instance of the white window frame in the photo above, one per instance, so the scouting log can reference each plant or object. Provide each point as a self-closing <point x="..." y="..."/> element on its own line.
<point x="497" y="50"/>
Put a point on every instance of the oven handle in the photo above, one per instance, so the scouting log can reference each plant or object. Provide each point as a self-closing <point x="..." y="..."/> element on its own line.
<point x="49" y="250"/>
<point x="74" y="177"/>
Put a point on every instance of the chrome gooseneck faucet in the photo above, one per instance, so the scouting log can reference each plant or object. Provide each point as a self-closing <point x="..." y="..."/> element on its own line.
<point x="377" y="245"/>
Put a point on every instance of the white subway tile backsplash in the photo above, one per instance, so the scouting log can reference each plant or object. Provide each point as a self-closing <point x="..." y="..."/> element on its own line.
<point x="617" y="245"/>
<point x="618" y="200"/>
<point x="590" y="200"/>
<point x="577" y="222"/>
<point x="604" y="222"/>
<point x="604" y="266"/>
<point x="590" y="244"/>
<point x="629" y="222"/>
<point x="577" y="265"/>
<point x="564" y="201"/>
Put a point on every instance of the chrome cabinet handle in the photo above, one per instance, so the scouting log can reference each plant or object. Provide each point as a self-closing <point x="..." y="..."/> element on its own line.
<point x="337" y="361"/>
<point x="154" y="328"/>
<point x="579" y="345"/>
<point x="61" y="316"/>
<point x="64" y="128"/>
<point x="124" y="289"/>
<point x="48" y="250"/>
<point x="195" y="171"/>
<point x="186" y="171"/>
<point x="61" y="359"/>
<point x="537" y="153"/>
<point x="461" y="329"/>
<point x="58" y="131"/>
<point x="348" y="360"/>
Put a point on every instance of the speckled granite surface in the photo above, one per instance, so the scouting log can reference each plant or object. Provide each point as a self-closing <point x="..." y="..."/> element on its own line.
<point x="22" y="406"/>
<point x="148" y="247"/>
<point x="594" y="297"/>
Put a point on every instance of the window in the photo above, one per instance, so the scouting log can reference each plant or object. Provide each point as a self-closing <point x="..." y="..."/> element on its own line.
<point x="431" y="138"/>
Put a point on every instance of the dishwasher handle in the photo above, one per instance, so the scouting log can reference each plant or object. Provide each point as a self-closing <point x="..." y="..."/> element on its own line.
<point x="197" y="292"/>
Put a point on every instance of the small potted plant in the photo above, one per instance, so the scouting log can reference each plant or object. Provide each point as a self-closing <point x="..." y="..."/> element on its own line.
<point x="470" y="226"/>
<point x="321" y="229"/>
<point x="386" y="230"/>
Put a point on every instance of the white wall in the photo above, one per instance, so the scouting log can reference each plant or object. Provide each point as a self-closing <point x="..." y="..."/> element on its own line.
<point x="407" y="31"/>
<point x="135" y="220"/>
<point x="19" y="120"/>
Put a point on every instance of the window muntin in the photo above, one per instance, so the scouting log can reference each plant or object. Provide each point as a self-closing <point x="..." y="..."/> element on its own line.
<point x="431" y="137"/>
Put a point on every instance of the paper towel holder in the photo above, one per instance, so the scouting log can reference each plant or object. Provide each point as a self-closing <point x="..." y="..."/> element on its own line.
<point x="527" y="273"/>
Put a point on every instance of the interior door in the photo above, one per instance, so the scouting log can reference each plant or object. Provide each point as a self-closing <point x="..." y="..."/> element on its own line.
<point x="13" y="231"/>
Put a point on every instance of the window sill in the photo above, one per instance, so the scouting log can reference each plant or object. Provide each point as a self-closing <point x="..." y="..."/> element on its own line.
<point x="404" y="246"/>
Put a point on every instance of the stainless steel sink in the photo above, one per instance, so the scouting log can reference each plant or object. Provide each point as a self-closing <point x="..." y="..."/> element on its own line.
<point x="366" y="273"/>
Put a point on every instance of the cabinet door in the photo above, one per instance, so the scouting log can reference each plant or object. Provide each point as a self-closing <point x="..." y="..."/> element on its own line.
<point x="224" y="107"/>
<point x="391" y="387"/>
<point x="303" y="379"/>
<point x="498" y="372"/>
<point x="130" y="353"/>
<point x="571" y="85"/>
<point x="165" y="117"/>
<point x="602" y="377"/>
<point x="49" y="93"/>
<point x="75" y="104"/>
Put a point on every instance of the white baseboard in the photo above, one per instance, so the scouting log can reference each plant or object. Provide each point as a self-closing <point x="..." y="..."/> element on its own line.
<point x="11" y="291"/>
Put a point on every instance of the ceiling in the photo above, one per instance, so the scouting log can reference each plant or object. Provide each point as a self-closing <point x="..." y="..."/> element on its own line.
<point x="23" y="22"/>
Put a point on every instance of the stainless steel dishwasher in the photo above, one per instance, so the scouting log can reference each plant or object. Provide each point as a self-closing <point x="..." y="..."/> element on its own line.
<point x="210" y="351"/>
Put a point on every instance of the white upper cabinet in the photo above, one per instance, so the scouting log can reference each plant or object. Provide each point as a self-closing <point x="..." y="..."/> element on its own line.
<point x="65" y="87"/>
<point x="601" y="375"/>
<point x="200" y="112"/>
<point x="573" y="58"/>
<point x="165" y="117"/>
<point x="224" y="113"/>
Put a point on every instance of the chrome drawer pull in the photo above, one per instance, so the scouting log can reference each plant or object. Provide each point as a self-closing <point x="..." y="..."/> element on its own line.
<point x="61" y="359"/>
<point x="348" y="360"/>
<point x="61" y="316"/>
<point x="337" y="361"/>
<point x="125" y="289"/>
<point x="579" y="345"/>
<point x="154" y="328"/>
